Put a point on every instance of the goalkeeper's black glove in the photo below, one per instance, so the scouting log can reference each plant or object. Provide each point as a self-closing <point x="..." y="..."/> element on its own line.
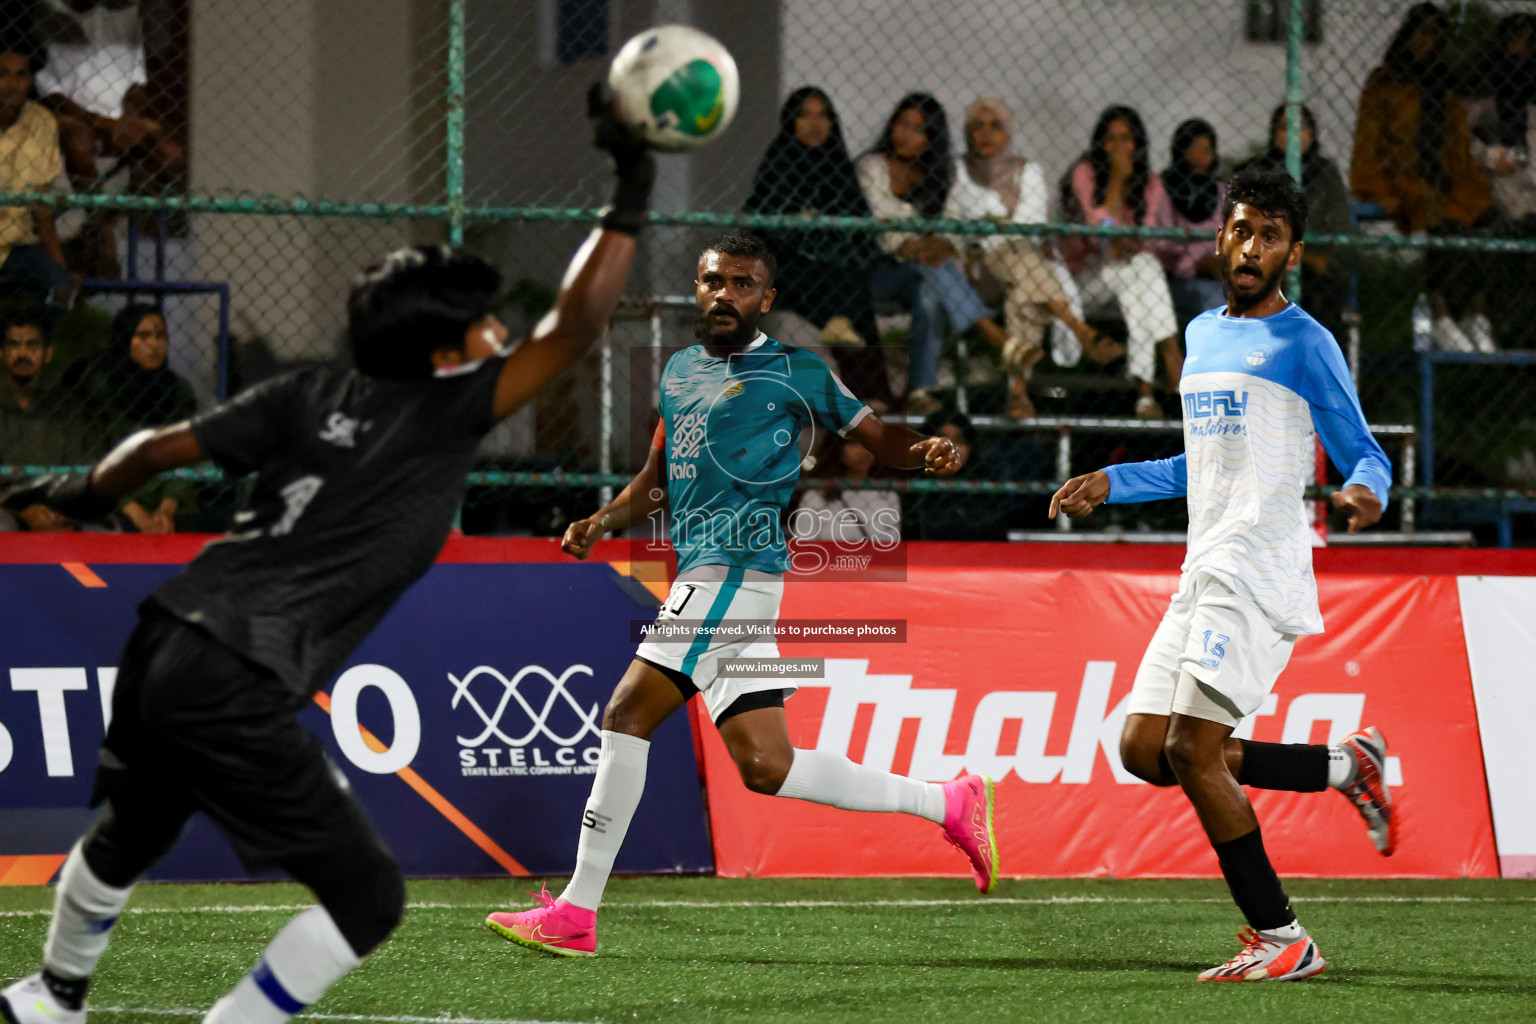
<point x="68" y="494"/>
<point x="632" y="162"/>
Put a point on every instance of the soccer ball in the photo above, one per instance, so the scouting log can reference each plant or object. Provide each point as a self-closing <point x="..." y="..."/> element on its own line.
<point x="676" y="86"/>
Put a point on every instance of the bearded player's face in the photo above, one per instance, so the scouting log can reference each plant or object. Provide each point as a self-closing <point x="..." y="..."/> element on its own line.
<point x="732" y="293"/>
<point x="1256" y="251"/>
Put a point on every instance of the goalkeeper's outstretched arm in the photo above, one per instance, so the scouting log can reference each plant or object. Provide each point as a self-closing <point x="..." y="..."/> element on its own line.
<point x="138" y="459"/>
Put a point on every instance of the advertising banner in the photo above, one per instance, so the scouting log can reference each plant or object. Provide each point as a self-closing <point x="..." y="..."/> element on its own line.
<point x="468" y="722"/>
<point x="1499" y="617"/>
<point x="1023" y="673"/>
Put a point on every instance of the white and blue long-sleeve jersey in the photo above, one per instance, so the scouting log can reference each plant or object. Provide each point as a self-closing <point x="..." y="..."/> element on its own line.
<point x="1256" y="390"/>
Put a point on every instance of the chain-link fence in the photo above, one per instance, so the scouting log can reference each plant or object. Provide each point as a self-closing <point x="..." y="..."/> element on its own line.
<point x="1054" y="168"/>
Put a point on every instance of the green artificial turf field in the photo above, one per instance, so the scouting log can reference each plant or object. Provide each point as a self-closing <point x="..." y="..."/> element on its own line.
<point x="705" y="949"/>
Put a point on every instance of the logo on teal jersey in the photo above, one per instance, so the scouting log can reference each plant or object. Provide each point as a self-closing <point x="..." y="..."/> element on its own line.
<point x="754" y="440"/>
<point x="689" y="434"/>
<point x="734" y="431"/>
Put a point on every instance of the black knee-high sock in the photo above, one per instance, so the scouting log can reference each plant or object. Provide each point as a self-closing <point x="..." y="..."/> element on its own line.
<point x="68" y="991"/>
<point x="1294" y="767"/>
<point x="1254" y="884"/>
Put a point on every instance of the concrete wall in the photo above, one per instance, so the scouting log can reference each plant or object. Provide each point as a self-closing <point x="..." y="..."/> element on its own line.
<point x="528" y="144"/>
<point x="528" y="141"/>
<point x="292" y="97"/>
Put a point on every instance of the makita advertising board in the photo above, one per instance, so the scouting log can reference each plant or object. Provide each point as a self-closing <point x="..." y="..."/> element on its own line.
<point x="468" y="722"/>
<point x="1022" y="673"/>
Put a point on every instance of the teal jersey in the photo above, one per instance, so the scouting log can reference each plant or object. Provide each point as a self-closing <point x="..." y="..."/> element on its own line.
<point x="731" y="427"/>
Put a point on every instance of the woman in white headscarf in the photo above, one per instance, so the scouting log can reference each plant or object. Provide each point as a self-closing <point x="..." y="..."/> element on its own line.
<point x="995" y="183"/>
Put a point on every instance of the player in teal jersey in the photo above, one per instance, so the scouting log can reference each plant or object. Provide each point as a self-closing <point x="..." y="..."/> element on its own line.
<point x="724" y="461"/>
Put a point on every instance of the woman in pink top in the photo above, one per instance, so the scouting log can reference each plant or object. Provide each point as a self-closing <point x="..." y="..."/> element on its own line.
<point x="1195" y="194"/>
<point x="1113" y="184"/>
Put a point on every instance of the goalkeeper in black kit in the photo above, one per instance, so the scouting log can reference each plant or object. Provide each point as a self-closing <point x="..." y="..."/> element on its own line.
<point x="359" y="475"/>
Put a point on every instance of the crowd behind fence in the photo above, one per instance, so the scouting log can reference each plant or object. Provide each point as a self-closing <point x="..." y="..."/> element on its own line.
<point x="994" y="219"/>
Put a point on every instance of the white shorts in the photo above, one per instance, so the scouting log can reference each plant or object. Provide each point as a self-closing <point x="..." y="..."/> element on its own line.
<point x="718" y="604"/>
<point x="1230" y="652"/>
<point x="1140" y="288"/>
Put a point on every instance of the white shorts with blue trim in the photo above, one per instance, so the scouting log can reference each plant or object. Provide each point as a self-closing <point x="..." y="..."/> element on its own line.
<point x="710" y="616"/>
<point x="1230" y="652"/>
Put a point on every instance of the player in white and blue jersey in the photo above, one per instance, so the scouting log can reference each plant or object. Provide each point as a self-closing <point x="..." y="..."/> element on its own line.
<point x="1260" y="380"/>
<point x="724" y="462"/>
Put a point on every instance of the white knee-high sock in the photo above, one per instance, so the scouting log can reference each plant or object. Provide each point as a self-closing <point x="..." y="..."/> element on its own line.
<point x="826" y="778"/>
<point x="307" y="957"/>
<point x="84" y="910"/>
<point x="615" y="794"/>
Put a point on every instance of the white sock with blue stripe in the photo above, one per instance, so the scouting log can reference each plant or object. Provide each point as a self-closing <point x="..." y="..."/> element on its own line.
<point x="307" y="957"/>
<point x="84" y="910"/>
<point x="826" y="778"/>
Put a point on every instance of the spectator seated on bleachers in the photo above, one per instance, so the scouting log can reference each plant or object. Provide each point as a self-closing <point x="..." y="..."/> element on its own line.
<point x="1113" y="185"/>
<point x="1504" y="127"/>
<point x="993" y="182"/>
<point x="129" y="387"/>
<point x="1195" y="194"/>
<point x="1413" y="158"/>
<point x="908" y="174"/>
<point x="30" y="255"/>
<point x="1325" y="270"/>
<point x="39" y="425"/>
<point x="1503" y="119"/>
<point x="96" y="83"/>
<point x="823" y="275"/>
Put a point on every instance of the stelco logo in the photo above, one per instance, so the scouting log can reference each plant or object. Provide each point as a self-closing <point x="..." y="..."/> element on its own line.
<point x="522" y="736"/>
<point x="549" y="734"/>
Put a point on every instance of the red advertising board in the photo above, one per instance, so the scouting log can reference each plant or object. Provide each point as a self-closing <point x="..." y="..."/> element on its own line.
<point x="1022" y="673"/>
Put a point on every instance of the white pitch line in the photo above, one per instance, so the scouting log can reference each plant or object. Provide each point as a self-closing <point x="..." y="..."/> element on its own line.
<point x="232" y="908"/>
<point x="999" y="901"/>
<point x="186" y="1012"/>
<point x="1059" y="900"/>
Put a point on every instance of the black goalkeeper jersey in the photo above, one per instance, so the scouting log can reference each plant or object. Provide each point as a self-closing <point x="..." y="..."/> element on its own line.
<point x="358" y="480"/>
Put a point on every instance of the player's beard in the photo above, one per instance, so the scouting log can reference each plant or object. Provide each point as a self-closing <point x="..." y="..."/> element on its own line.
<point x="738" y="337"/>
<point x="1237" y="303"/>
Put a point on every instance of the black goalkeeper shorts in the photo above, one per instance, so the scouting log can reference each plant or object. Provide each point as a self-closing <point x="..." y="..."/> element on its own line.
<point x="197" y="727"/>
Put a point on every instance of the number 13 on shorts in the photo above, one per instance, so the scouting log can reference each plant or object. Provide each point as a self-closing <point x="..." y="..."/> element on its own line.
<point x="1219" y="648"/>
